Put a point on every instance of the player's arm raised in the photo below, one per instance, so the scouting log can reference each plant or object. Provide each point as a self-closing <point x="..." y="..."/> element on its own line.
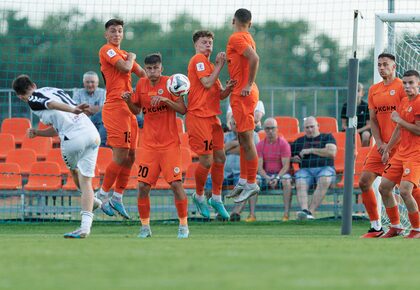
<point x="254" y="61"/>
<point x="178" y="105"/>
<point x="138" y="70"/>
<point x="209" y="81"/>
<point x="126" y="66"/>
<point x="126" y="96"/>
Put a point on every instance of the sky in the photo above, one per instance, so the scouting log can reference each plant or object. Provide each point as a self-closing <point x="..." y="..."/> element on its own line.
<point x="334" y="17"/>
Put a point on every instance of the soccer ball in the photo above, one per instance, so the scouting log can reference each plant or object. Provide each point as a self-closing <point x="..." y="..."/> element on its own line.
<point x="178" y="85"/>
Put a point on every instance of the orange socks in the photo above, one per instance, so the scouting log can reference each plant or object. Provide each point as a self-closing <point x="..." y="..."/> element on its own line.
<point x="182" y="209"/>
<point x="122" y="179"/>
<point x="371" y="205"/>
<point x="252" y="168"/>
<point x="200" y="178"/>
<point x="143" y="205"/>
<point x="394" y="215"/>
<point x="217" y="176"/>
<point x="111" y="173"/>
<point x="416" y="195"/>
<point x="243" y="164"/>
<point x="414" y="219"/>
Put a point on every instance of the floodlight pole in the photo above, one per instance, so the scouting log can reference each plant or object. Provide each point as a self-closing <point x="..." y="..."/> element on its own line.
<point x="353" y="77"/>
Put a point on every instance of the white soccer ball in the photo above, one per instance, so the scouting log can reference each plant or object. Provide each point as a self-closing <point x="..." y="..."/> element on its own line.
<point x="178" y="85"/>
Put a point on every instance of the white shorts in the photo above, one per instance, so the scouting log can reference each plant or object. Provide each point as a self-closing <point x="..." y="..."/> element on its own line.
<point x="81" y="152"/>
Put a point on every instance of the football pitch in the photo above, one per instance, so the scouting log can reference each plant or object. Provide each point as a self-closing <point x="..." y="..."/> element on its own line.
<point x="264" y="255"/>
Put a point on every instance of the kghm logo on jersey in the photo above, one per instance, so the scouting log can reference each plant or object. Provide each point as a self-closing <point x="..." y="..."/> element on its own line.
<point x="385" y="109"/>
<point x="159" y="109"/>
<point x="392" y="92"/>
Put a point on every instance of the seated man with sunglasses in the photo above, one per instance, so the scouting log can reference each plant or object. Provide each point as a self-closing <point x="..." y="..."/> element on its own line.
<point x="315" y="153"/>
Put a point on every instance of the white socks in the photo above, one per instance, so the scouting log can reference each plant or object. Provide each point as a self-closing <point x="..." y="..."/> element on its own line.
<point x="87" y="218"/>
<point x="217" y="198"/>
<point x="377" y="225"/>
<point x="117" y="196"/>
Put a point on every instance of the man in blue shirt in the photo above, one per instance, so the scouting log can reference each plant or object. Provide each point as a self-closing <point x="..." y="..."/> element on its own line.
<point x="95" y="98"/>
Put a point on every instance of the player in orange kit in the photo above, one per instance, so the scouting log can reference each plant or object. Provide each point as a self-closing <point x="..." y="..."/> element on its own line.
<point x="117" y="66"/>
<point x="404" y="167"/>
<point x="383" y="98"/>
<point x="160" y="144"/>
<point x="243" y="61"/>
<point x="204" y="127"/>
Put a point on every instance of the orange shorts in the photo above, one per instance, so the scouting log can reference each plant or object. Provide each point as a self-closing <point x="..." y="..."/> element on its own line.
<point x="121" y="127"/>
<point x="205" y="134"/>
<point x="398" y="170"/>
<point x="153" y="162"/>
<point x="243" y="111"/>
<point x="373" y="162"/>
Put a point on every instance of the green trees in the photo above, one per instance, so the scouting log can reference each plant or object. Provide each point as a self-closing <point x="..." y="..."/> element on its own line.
<point x="65" y="45"/>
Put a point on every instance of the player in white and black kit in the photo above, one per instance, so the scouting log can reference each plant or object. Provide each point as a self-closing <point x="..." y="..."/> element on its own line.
<point x="79" y="139"/>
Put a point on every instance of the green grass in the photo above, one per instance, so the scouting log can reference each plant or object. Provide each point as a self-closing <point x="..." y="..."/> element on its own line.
<point x="217" y="256"/>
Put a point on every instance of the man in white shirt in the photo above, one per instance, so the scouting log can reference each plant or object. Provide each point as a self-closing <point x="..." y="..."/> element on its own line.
<point x="79" y="139"/>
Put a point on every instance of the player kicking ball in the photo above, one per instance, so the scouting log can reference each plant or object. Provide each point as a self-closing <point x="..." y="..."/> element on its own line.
<point x="79" y="139"/>
<point x="160" y="145"/>
<point x="404" y="167"/>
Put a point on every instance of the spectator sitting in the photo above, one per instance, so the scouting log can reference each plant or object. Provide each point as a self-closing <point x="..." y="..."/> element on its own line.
<point x="259" y="112"/>
<point x="95" y="98"/>
<point x="274" y="164"/>
<point x="363" y="118"/>
<point x="315" y="152"/>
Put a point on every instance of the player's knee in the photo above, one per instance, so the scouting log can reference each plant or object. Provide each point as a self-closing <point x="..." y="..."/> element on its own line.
<point x="220" y="158"/>
<point x="206" y="161"/>
<point x="364" y="183"/>
<point x="143" y="190"/>
<point x="384" y="188"/>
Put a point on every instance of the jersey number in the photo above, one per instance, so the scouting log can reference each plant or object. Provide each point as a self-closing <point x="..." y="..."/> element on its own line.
<point x="143" y="171"/>
<point x="127" y="137"/>
<point x="207" y="145"/>
<point x="387" y="167"/>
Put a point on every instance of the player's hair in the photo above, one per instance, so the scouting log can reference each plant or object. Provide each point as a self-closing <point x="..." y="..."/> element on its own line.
<point x="202" y="33"/>
<point x="388" y="55"/>
<point x="411" y="73"/>
<point x="112" y="22"/>
<point x="243" y="15"/>
<point x="153" y="58"/>
<point x="21" y="84"/>
<point x="90" y="74"/>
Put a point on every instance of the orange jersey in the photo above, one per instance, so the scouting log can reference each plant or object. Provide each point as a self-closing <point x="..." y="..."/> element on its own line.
<point x="116" y="82"/>
<point x="159" y="130"/>
<point x="384" y="99"/>
<point x="202" y="102"/>
<point x="409" y="111"/>
<point x="238" y="64"/>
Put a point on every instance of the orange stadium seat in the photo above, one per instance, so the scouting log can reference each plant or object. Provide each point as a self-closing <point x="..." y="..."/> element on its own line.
<point x="339" y="160"/>
<point x="24" y="157"/>
<point x="358" y="166"/>
<point x="41" y="146"/>
<point x="180" y="125"/>
<point x="10" y="176"/>
<point x="55" y="139"/>
<point x="44" y="176"/>
<point x="189" y="180"/>
<point x="327" y="124"/>
<point x="186" y="158"/>
<point x="7" y="143"/>
<point x="261" y="135"/>
<point x="287" y="126"/>
<point x="54" y="155"/>
<point x="17" y="127"/>
<point x="104" y="159"/>
<point x="340" y="139"/>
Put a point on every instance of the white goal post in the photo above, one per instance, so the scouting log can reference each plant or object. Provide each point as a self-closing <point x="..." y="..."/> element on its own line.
<point x="380" y="22"/>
